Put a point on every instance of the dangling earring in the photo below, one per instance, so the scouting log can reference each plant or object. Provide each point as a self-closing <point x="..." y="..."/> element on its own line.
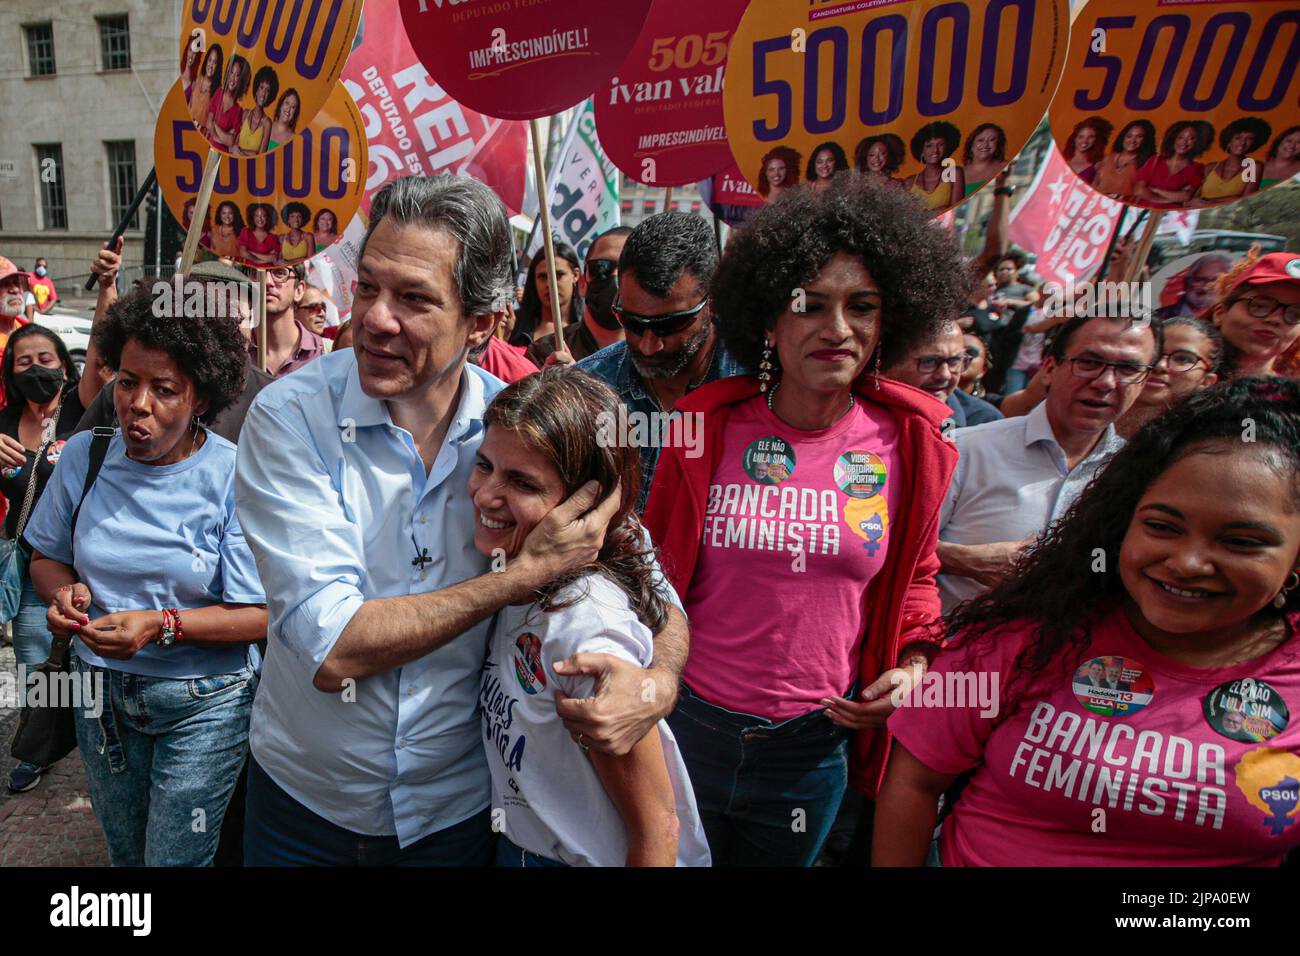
<point x="1292" y="583"/>
<point x="765" y="367"/>
<point x="877" y="372"/>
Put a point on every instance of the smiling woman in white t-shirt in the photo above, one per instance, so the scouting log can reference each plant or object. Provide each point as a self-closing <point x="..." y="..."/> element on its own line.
<point x="554" y="801"/>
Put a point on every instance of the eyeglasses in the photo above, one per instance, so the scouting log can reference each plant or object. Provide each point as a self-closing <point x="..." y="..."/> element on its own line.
<point x="281" y="274"/>
<point x="1126" y="373"/>
<point x="600" y="269"/>
<point x="661" y="325"/>
<point x="1181" y="361"/>
<point x="1262" y="306"/>
<point x="956" y="363"/>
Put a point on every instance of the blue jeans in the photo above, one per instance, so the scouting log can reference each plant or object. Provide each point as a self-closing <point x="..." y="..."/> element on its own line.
<point x="162" y="760"/>
<point x="32" y="638"/>
<point x="511" y="854"/>
<point x="280" y="831"/>
<point x="767" y="793"/>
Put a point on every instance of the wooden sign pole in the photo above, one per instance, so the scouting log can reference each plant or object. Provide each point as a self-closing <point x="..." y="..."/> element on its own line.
<point x="1144" y="246"/>
<point x="261" y="325"/>
<point x="210" y="170"/>
<point x="545" y="206"/>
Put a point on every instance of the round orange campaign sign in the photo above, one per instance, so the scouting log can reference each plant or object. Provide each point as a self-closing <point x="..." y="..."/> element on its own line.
<point x="660" y="117"/>
<point x="255" y="72"/>
<point x="522" y="59"/>
<point x="1179" y="104"/>
<point x="933" y="97"/>
<point x="271" y="210"/>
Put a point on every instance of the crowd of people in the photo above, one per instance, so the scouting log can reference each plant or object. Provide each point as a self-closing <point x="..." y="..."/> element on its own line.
<point x="830" y="545"/>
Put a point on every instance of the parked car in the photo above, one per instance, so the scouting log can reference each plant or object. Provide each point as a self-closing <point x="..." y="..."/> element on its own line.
<point x="71" y="325"/>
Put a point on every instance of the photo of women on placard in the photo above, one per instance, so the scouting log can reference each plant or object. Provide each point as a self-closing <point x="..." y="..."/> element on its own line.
<point x="284" y="123"/>
<point x="1116" y="175"/>
<point x="187" y="217"/>
<point x="1234" y="177"/>
<point x="255" y="131"/>
<point x="1171" y="178"/>
<point x="779" y="171"/>
<point x="1283" y="159"/>
<point x="878" y="157"/>
<point x="199" y="96"/>
<point x="932" y="144"/>
<point x="190" y="70"/>
<point x="296" y="245"/>
<point x="827" y="160"/>
<point x="228" y="224"/>
<point x="985" y="155"/>
<point x="325" y="228"/>
<point x="226" y="116"/>
<point x="1087" y="145"/>
<point x="258" y="245"/>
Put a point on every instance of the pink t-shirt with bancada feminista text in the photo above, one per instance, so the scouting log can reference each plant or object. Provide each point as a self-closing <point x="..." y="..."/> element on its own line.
<point x="795" y="528"/>
<point x="1127" y="759"/>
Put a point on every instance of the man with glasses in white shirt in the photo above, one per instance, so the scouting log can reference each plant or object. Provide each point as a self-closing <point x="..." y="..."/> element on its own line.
<point x="1016" y="476"/>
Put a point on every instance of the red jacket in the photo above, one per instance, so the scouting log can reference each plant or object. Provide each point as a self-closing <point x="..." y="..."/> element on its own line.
<point x="902" y="600"/>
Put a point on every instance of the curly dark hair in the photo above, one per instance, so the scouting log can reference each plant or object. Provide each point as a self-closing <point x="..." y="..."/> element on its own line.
<point x="237" y="223"/>
<point x="270" y="215"/>
<point x="1101" y="127"/>
<point x="1218" y="357"/>
<point x="211" y="351"/>
<point x="999" y="153"/>
<point x="1148" y="147"/>
<point x="1052" y="587"/>
<point x="950" y="135"/>
<point x="836" y="150"/>
<point x="1258" y="129"/>
<point x="786" y="245"/>
<point x="245" y="76"/>
<point x="792" y="161"/>
<point x="266" y="74"/>
<point x="895" y="152"/>
<point x="214" y="50"/>
<point x="529" y="314"/>
<point x="1204" y="138"/>
<point x="1277" y="143"/>
<point x="562" y="413"/>
<point x="298" y="207"/>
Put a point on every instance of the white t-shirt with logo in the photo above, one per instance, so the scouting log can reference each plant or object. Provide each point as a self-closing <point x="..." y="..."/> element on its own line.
<point x="545" y="792"/>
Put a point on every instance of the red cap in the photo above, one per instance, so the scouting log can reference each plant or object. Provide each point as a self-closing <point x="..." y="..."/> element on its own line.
<point x="8" y="269"/>
<point x="1274" y="267"/>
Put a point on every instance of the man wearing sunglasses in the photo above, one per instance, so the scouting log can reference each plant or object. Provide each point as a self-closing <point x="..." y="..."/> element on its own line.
<point x="598" y="285"/>
<point x="935" y="366"/>
<point x="670" y="346"/>
<point x="289" y="346"/>
<point x="310" y="310"/>
<point x="1018" y="475"/>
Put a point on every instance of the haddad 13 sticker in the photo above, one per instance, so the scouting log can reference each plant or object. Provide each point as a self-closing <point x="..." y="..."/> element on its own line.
<point x="1113" y="686"/>
<point x="528" y="663"/>
<point x="54" y="452"/>
<point x="769" y="460"/>
<point x="1247" y="710"/>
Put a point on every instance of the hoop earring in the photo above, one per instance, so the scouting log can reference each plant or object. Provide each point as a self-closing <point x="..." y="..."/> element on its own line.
<point x="1291" y="584"/>
<point x="765" y="368"/>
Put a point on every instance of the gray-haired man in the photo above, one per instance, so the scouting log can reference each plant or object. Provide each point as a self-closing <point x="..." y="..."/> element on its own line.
<point x="351" y="488"/>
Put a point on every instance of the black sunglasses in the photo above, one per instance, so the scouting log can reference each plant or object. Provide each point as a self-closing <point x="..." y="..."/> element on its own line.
<point x="661" y="325"/>
<point x="598" y="269"/>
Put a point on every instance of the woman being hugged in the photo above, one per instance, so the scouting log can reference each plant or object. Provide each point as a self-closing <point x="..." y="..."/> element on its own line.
<point x="563" y="803"/>
<point x="1143" y="661"/>
<point x="148" y="569"/>
<point x="816" y="477"/>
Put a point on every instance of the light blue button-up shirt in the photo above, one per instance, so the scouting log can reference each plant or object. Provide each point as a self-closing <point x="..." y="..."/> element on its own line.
<point x="335" y="502"/>
<point x="1011" y="482"/>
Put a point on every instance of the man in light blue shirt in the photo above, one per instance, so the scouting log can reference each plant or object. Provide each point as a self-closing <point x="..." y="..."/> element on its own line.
<point x="1017" y="476"/>
<point x="351" y="486"/>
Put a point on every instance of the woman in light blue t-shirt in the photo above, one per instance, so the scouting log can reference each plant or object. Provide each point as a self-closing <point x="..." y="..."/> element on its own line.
<point x="153" y="580"/>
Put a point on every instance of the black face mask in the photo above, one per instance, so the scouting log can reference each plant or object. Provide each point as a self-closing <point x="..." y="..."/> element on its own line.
<point x="600" y="301"/>
<point x="39" y="384"/>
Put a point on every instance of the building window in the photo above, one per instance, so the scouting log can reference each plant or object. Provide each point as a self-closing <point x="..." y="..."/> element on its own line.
<point x="49" y="172"/>
<point x="115" y="42"/>
<point x="40" y="49"/>
<point x="121" y="180"/>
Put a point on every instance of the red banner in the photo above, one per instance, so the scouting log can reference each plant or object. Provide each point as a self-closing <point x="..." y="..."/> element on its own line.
<point x="1065" y="222"/>
<point x="415" y="127"/>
